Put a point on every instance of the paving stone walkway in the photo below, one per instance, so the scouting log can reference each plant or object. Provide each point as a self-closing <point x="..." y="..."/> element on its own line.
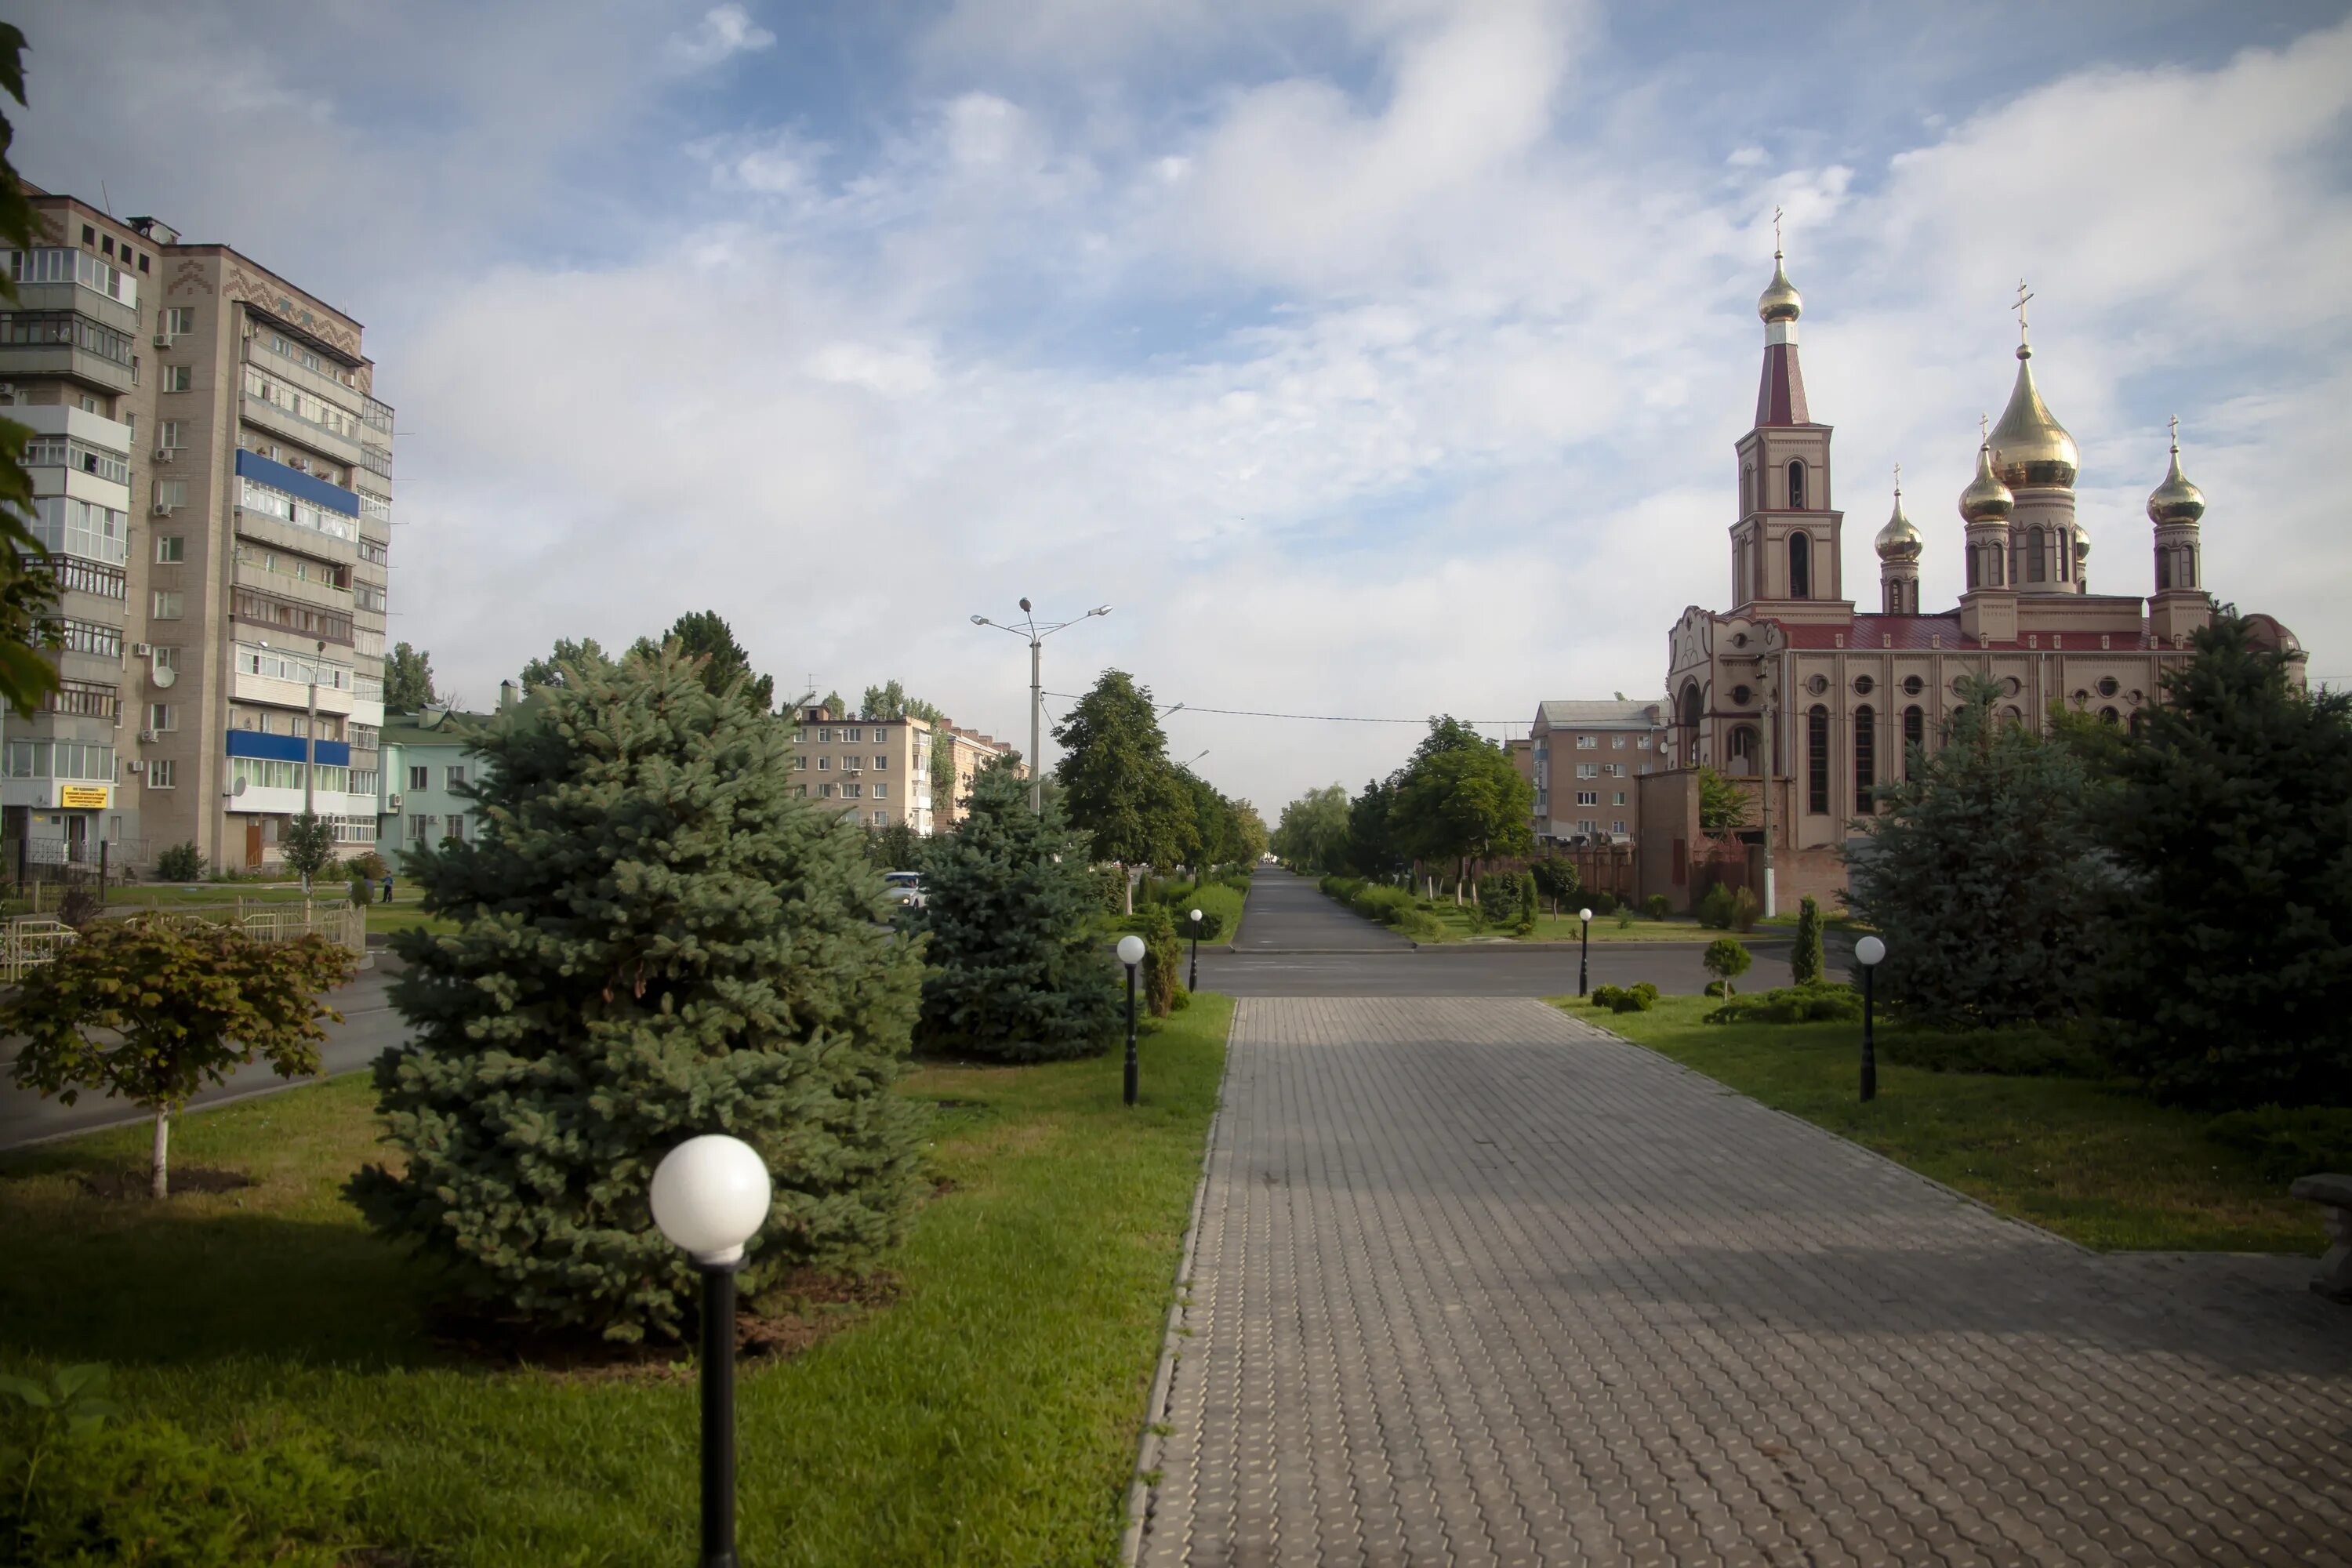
<point x="1477" y="1283"/>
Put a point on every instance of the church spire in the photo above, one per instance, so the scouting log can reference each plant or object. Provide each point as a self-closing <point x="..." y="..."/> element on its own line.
<point x="1781" y="399"/>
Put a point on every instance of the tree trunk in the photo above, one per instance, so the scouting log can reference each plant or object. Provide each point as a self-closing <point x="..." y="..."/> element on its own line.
<point x="160" y="1184"/>
<point x="1128" y="876"/>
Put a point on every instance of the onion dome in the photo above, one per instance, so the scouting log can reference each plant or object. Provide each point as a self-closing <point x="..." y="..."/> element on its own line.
<point x="1780" y="301"/>
<point x="2176" y="501"/>
<point x="2029" y="446"/>
<point x="1986" y="499"/>
<point x="1898" y="541"/>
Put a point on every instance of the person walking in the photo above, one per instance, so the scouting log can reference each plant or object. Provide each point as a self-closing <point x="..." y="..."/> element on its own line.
<point x="388" y="886"/>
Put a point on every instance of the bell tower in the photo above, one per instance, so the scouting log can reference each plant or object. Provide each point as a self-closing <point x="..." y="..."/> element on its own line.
<point x="2177" y="508"/>
<point x="1786" y="554"/>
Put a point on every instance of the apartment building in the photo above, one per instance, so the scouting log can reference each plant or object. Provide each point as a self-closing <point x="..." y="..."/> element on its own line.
<point x="959" y="753"/>
<point x="875" y="771"/>
<point x="215" y="475"/>
<point x="1583" y="757"/>
<point x="427" y="757"/>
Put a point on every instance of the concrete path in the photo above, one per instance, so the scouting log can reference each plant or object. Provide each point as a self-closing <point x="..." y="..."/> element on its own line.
<point x="1473" y="1282"/>
<point x="1289" y="913"/>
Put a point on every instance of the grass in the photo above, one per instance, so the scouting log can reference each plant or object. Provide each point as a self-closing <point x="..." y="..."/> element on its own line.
<point x="2095" y="1161"/>
<point x="988" y="1415"/>
<point x="1564" y="928"/>
<point x="1214" y="898"/>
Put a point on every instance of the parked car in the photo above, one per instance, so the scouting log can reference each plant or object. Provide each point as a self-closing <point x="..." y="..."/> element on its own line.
<point x="904" y="889"/>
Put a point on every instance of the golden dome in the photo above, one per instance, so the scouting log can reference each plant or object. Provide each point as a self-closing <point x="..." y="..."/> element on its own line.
<point x="1986" y="499"/>
<point x="1780" y="301"/>
<point x="1898" y="541"/>
<point x="2176" y="501"/>
<point x="2029" y="446"/>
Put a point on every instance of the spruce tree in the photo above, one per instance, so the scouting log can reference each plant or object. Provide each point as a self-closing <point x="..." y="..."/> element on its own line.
<point x="1018" y="970"/>
<point x="1805" y="961"/>
<point x="2229" y="983"/>
<point x="1163" y="961"/>
<point x="658" y="937"/>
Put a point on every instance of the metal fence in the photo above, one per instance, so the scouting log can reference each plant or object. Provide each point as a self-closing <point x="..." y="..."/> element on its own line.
<point x="28" y="941"/>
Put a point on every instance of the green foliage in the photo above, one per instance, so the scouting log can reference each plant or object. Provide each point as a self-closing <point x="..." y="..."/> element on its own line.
<point x="1806" y="960"/>
<point x="1371" y="848"/>
<point x="1984" y="877"/>
<point x="1117" y="783"/>
<point x="567" y="654"/>
<point x="154" y="1008"/>
<point x="28" y="593"/>
<point x="890" y="700"/>
<point x="896" y="846"/>
<point x="1727" y="958"/>
<point x="1499" y="897"/>
<point x="1658" y="906"/>
<point x="408" y="680"/>
<point x="180" y="863"/>
<point x="1163" y="961"/>
<point x="1600" y="901"/>
<point x="1716" y="988"/>
<point x="2023" y="1051"/>
<point x="658" y="937"/>
<point x="2229" y="980"/>
<point x="705" y="636"/>
<point x="1313" y="833"/>
<point x="1016" y="968"/>
<point x="2287" y="1143"/>
<point x="1723" y="808"/>
<point x="1528" y="907"/>
<point x="1745" y="910"/>
<point x="1461" y="798"/>
<point x="306" y="844"/>
<point x="1816" y="1003"/>
<point x="1109" y="882"/>
<point x="1376" y="901"/>
<point x="1557" y="879"/>
<point x="1715" y="908"/>
<point x="1636" y="998"/>
<point x="145" y="1492"/>
<point x="368" y="866"/>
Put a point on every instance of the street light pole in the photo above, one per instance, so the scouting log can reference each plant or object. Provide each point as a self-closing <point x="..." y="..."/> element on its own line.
<point x="1192" y="981"/>
<point x="1584" y="952"/>
<point x="1770" y="748"/>
<point x="1036" y="636"/>
<point x="1867" y="952"/>
<point x="1130" y="953"/>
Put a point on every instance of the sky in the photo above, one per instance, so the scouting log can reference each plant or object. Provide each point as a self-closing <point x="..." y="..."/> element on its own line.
<point x="1371" y="358"/>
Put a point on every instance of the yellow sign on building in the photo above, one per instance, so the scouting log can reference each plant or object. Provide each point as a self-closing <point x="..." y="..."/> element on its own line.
<point x="82" y="796"/>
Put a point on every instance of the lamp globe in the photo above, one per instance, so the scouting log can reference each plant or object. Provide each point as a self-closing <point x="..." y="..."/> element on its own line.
<point x="1869" y="951"/>
<point x="1131" y="950"/>
<point x="1584" y="914"/>
<point x="710" y="1195"/>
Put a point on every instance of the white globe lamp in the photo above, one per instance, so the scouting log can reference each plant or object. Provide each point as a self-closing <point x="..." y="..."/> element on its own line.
<point x="710" y="1195"/>
<point x="1131" y="950"/>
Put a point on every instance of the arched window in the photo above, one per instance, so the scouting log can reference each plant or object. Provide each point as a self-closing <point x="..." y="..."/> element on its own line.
<point x="2109" y="716"/>
<point x="1993" y="554"/>
<point x="1915" y="734"/>
<point x="1866" y="757"/>
<point x="1801" y="566"/>
<point x="2188" y="566"/>
<point x="2163" y="570"/>
<point x="2065" y="556"/>
<point x="1746" y="488"/>
<point x="1691" y="709"/>
<point x="1796" y="484"/>
<point x="1746" y="757"/>
<point x="2036" y="561"/>
<point x="1976" y="566"/>
<point x="1817" y="761"/>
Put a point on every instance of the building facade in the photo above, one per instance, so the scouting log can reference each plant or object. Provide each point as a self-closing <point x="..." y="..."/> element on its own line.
<point x="1587" y="757"/>
<point x="223" y="522"/>
<point x="959" y="753"/>
<point x="877" y="772"/>
<point x="1817" y="702"/>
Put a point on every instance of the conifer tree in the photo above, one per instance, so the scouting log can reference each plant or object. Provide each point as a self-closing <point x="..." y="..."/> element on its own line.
<point x="2229" y="981"/>
<point x="1017" y="969"/>
<point x="1806" y="961"/>
<point x="658" y="937"/>
<point x="1163" y="960"/>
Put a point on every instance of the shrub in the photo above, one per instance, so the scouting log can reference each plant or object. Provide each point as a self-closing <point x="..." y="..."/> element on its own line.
<point x="1805" y="961"/>
<point x="1386" y="905"/>
<point x="1727" y="958"/>
<point x="1636" y="998"/>
<point x="2021" y="1052"/>
<point x="1529" y="905"/>
<point x="1558" y="880"/>
<point x="1498" y="897"/>
<point x="1790" y="1005"/>
<point x="1715" y="908"/>
<point x="1600" y="901"/>
<point x="1421" y="926"/>
<point x="1744" y="911"/>
<point x="1659" y="906"/>
<point x="180" y="863"/>
<point x="1715" y="988"/>
<point x="2287" y="1143"/>
<point x="1111" y="887"/>
<point x="1163" y="961"/>
<point x="1624" y="917"/>
<point x="367" y="865"/>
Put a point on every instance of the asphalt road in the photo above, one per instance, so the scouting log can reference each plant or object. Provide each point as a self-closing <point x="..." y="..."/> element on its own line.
<point x="369" y="1025"/>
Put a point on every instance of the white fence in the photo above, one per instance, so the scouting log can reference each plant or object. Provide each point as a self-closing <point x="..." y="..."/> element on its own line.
<point x="28" y="941"/>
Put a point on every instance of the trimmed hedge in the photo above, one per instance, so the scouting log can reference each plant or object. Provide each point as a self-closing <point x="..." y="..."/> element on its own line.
<point x="1790" y="1004"/>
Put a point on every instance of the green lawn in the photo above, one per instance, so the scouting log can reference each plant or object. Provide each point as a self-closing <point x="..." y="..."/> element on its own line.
<point x="1563" y="927"/>
<point x="2094" y="1161"/>
<point x="1214" y="898"/>
<point x="988" y="1415"/>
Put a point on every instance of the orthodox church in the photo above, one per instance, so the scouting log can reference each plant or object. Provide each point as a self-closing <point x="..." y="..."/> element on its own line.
<point x="1794" y="688"/>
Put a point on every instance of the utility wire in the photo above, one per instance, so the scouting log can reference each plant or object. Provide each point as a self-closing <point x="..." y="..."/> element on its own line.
<point x="1311" y="718"/>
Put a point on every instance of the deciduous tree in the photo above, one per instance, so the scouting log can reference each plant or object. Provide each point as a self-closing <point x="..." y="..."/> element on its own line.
<point x="307" y="845"/>
<point x="155" y="1008"/>
<point x="1462" y="800"/>
<point x="1313" y="833"/>
<point x="704" y="635"/>
<point x="549" y="669"/>
<point x="1117" y="783"/>
<point x="408" y="680"/>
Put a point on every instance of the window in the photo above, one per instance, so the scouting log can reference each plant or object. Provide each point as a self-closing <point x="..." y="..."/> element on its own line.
<point x="456" y="776"/>
<point x="163" y="776"/>
<point x="417" y="776"/>
<point x="271" y="501"/>
<point x="418" y="828"/>
<point x="1616" y="743"/>
<point x="1746" y="488"/>
<point x="161" y="717"/>
<point x="881" y="819"/>
<point x="457" y="827"/>
<point x="1915" y="733"/>
<point x="881" y="790"/>
<point x="800" y="765"/>
<point x="1588" y="770"/>
<point x="180" y="320"/>
<point x="825" y="791"/>
<point x="1866" y="758"/>
<point x="1641" y="742"/>
<point x="1620" y="799"/>
<point x="1801" y="565"/>
<point x="824" y="735"/>
<point x="1817" y="761"/>
<point x="1587" y="742"/>
<point x="171" y="548"/>
<point x="179" y="378"/>
<point x="1588" y="798"/>
<point x="2036" y="543"/>
<point x="166" y="606"/>
<point x="79" y="527"/>
<point x="368" y="597"/>
<point x="853" y="791"/>
<point x="880" y="762"/>
<point x="1796" y="484"/>
<point x="824" y="765"/>
<point x="852" y="734"/>
<point x="1618" y="825"/>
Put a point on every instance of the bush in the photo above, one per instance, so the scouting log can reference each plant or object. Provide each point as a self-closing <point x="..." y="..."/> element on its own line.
<point x="1744" y="911"/>
<point x="180" y="863"/>
<point x="2024" y="1052"/>
<point x="1111" y="887"/>
<point x="367" y="865"/>
<point x="2287" y="1143"/>
<point x="1600" y="901"/>
<point x="1659" y="906"/>
<point x="1529" y="905"/>
<point x="1636" y="998"/>
<point x="1805" y="961"/>
<point x="1498" y="896"/>
<point x="1421" y="926"/>
<point x="1790" y="1004"/>
<point x="1715" y="908"/>
<point x="1715" y="988"/>
<point x="1727" y="958"/>
<point x="1558" y="880"/>
<point x="1163" y="961"/>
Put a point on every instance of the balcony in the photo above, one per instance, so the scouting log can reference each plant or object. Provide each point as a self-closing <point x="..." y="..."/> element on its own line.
<point x="318" y="384"/>
<point x="101" y="581"/>
<point x="84" y="699"/>
<point x="262" y="413"/>
<point x="74" y="346"/>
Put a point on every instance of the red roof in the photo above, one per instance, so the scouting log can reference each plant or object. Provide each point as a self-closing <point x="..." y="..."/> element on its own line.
<point x="1781" y="399"/>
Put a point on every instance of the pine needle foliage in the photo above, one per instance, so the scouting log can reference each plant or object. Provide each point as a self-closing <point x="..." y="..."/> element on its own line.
<point x="658" y="936"/>
<point x="1018" y="968"/>
<point x="1163" y="961"/>
<point x="1805" y="961"/>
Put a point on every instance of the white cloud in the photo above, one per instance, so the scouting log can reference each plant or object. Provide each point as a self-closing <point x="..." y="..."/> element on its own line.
<point x="723" y="31"/>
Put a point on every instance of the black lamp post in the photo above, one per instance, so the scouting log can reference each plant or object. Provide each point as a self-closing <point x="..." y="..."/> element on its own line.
<point x="710" y="1195"/>
<point x="1867" y="952"/>
<point x="1130" y="953"/>
<point x="1584" y="950"/>
<point x="1193" y="978"/>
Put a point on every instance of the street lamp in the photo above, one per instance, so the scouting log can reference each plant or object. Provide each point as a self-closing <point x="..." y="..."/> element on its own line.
<point x="1867" y="952"/>
<point x="1130" y="953"/>
<point x="710" y="1195"/>
<point x="1584" y="952"/>
<point x="1036" y="634"/>
<point x="1192" y="982"/>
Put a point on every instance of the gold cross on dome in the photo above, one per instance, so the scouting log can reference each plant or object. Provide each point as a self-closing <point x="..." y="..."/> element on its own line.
<point x="1984" y="430"/>
<point x="1898" y="478"/>
<point x="2176" y="432"/>
<point x="2024" y="294"/>
<point x="1776" y="232"/>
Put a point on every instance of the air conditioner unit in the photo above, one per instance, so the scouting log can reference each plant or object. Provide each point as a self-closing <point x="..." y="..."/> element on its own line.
<point x="393" y="801"/>
<point x="136" y="767"/>
<point x="167" y="508"/>
<point x="162" y="340"/>
<point x="165" y="454"/>
<point x="142" y="650"/>
<point x="146" y="736"/>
